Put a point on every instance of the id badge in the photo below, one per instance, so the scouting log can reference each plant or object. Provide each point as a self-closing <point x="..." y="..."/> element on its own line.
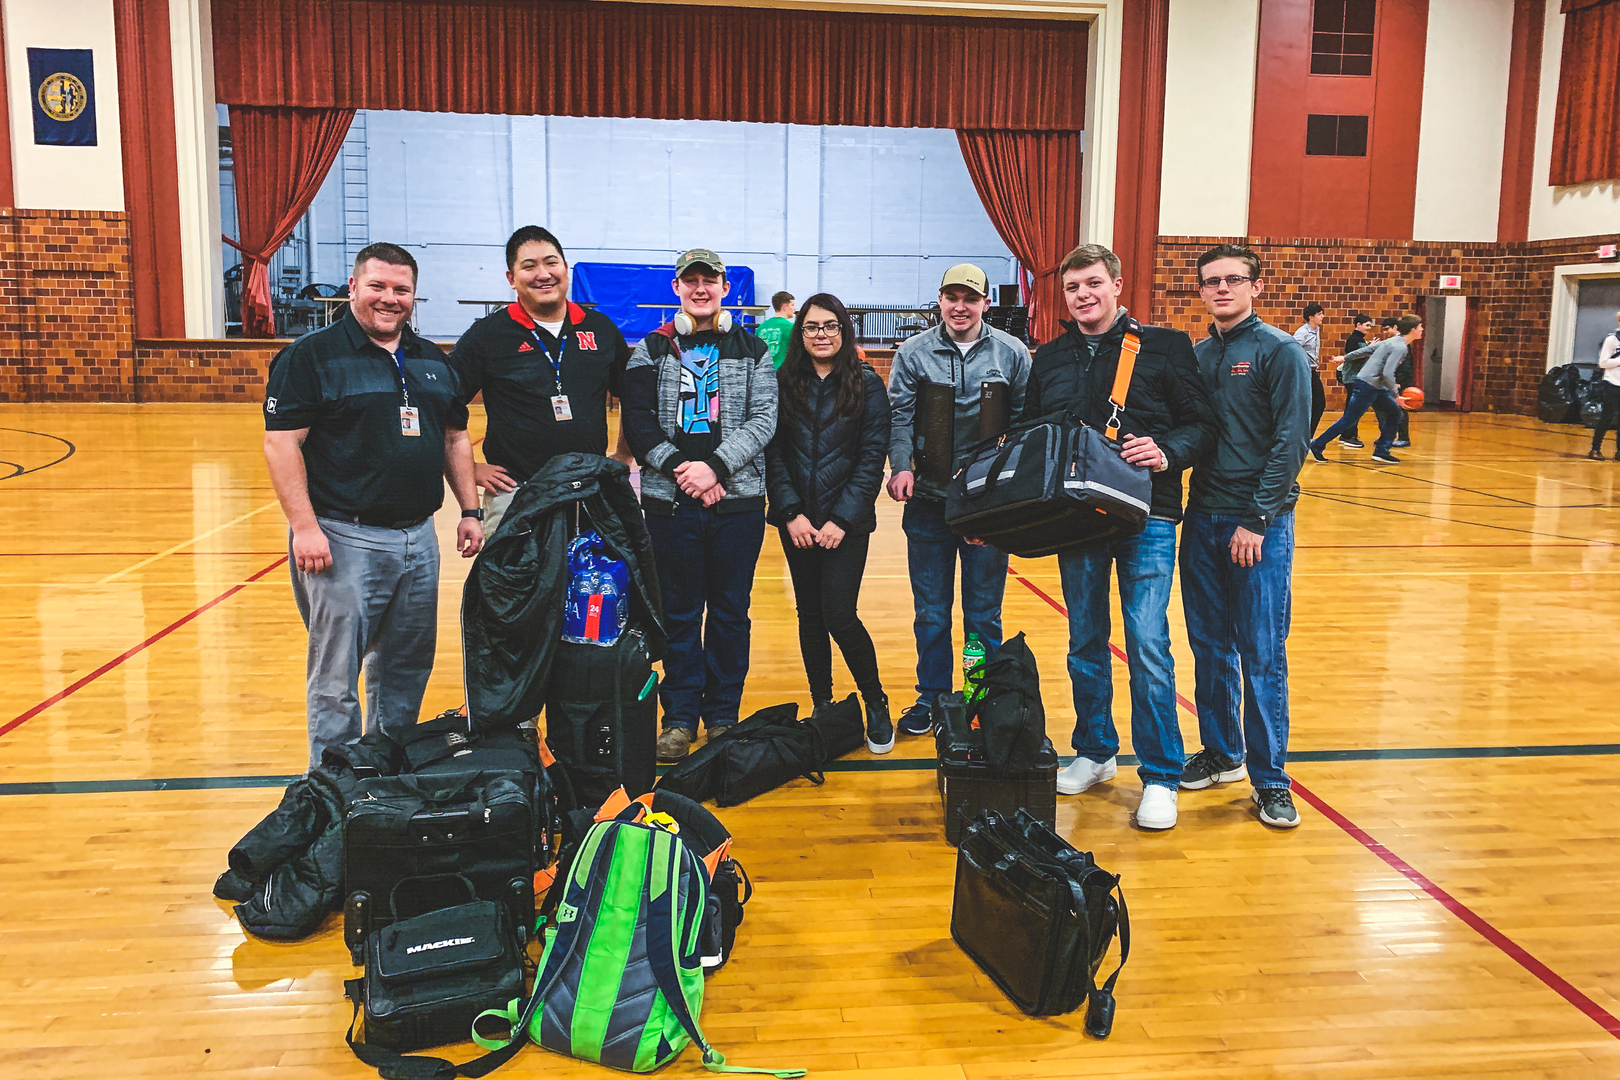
<point x="560" y="409"/>
<point x="409" y="422"/>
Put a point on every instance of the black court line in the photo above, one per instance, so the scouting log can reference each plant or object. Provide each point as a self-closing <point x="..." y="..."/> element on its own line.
<point x="859" y="765"/>
<point x="19" y="470"/>
<point x="1307" y="493"/>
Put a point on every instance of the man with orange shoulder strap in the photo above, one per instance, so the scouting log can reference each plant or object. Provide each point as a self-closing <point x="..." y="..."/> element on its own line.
<point x="1141" y="386"/>
<point x="546" y="367"/>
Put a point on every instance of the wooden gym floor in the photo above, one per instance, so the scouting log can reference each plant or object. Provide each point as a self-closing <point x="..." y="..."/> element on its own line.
<point x="1447" y="907"/>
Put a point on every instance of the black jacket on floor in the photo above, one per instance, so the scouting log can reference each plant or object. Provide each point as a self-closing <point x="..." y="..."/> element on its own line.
<point x="512" y="604"/>
<point x="826" y="466"/>
<point x="287" y="872"/>
<point x="1167" y="400"/>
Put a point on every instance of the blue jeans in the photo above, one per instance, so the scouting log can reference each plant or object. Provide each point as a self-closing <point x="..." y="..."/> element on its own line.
<point x="1147" y="563"/>
<point x="1364" y="395"/>
<point x="931" y="553"/>
<point x="1237" y="625"/>
<point x="706" y="575"/>
<point x="377" y="607"/>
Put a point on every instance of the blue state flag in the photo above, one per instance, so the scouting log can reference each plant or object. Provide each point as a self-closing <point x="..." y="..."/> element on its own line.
<point x="62" y="83"/>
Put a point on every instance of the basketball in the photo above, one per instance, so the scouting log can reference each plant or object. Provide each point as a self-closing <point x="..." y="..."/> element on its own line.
<point x="1411" y="399"/>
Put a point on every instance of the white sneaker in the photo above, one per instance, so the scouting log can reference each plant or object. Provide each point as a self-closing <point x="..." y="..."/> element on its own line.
<point x="1158" y="808"/>
<point x="1083" y="773"/>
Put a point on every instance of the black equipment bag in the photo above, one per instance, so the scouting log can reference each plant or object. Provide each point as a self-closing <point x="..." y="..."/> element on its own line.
<point x="602" y="717"/>
<point x="698" y="776"/>
<point x="750" y="758"/>
<point x="429" y="977"/>
<point x="995" y="754"/>
<point x="729" y="891"/>
<point x="1053" y="484"/>
<point x="1037" y="916"/>
<point x="411" y="842"/>
<point x="842" y="726"/>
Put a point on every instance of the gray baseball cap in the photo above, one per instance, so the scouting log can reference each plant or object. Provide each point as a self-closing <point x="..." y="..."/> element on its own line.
<point x="699" y="257"/>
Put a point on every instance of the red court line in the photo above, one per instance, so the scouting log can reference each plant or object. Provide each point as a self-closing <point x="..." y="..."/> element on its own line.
<point x="1556" y="982"/>
<point x="83" y="554"/>
<point x="86" y="680"/>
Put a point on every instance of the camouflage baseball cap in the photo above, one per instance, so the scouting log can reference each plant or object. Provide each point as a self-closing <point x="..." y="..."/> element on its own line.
<point x="699" y="257"/>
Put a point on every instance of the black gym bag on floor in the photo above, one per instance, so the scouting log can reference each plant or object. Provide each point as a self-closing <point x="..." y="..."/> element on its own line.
<point x="750" y="758"/>
<point x="1037" y="915"/>
<point x="602" y="717"/>
<point x="428" y="978"/>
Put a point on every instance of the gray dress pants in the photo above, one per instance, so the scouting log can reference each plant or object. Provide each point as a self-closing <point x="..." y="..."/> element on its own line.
<point x="377" y="608"/>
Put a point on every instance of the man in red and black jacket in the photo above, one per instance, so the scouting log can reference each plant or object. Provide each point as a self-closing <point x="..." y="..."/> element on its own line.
<point x="1167" y="424"/>
<point x="546" y="367"/>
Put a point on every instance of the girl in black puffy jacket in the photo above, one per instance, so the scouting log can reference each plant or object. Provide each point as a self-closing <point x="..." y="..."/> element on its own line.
<point x="823" y="471"/>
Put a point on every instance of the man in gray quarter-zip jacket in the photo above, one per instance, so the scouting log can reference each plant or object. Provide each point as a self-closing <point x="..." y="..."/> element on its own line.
<point x="1237" y="539"/>
<point x="963" y="352"/>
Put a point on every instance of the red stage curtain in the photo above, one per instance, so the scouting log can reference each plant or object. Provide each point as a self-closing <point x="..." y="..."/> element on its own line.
<point x="1586" y="127"/>
<point x="1029" y="182"/>
<point x="581" y="58"/>
<point x="281" y="156"/>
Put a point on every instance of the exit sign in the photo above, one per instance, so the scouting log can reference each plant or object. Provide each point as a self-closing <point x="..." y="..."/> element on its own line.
<point x="1608" y="251"/>
<point x="1451" y="281"/>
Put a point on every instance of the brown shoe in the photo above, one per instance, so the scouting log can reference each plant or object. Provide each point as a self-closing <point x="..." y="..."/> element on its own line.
<point x="674" y="744"/>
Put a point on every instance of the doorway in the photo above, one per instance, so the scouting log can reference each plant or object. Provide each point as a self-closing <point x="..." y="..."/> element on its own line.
<point x="1445" y="321"/>
<point x="1596" y="301"/>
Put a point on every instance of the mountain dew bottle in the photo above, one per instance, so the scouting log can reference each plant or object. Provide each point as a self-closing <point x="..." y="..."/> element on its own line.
<point x="972" y="666"/>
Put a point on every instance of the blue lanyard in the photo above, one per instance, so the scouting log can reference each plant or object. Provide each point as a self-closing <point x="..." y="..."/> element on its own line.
<point x="399" y="365"/>
<point x="562" y="347"/>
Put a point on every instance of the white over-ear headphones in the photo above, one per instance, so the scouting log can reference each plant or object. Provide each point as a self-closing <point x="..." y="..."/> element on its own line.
<point x="684" y="324"/>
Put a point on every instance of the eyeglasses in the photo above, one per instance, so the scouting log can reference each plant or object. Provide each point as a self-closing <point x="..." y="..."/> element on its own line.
<point x="1232" y="281"/>
<point x="827" y="330"/>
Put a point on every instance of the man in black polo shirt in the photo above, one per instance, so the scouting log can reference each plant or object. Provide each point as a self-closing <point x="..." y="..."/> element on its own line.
<point x="545" y="366"/>
<point x="361" y="420"/>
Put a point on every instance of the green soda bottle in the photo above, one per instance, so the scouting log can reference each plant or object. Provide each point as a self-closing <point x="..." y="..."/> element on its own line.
<point x="972" y="667"/>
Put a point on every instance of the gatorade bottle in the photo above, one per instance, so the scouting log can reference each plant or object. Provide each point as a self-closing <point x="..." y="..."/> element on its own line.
<point x="972" y="667"/>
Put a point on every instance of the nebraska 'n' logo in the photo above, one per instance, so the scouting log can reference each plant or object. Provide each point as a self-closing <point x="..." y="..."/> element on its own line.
<point x="587" y="340"/>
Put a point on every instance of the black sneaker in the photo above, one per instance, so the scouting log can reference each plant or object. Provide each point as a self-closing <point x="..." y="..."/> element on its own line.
<point x="1386" y="458"/>
<point x="1316" y="452"/>
<point x="917" y="720"/>
<point x="817" y="704"/>
<point x="1276" y="807"/>
<point x="879" y="728"/>
<point x="1597" y="455"/>
<point x="1208" y="767"/>
<point x="1354" y="444"/>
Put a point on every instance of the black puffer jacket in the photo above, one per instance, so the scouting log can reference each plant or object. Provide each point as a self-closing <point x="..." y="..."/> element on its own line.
<point x="512" y="604"/>
<point x="287" y="872"/>
<point x="826" y="466"/>
<point x="1167" y="400"/>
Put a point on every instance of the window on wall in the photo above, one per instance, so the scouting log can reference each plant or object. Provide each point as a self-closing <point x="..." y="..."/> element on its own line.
<point x="1335" y="136"/>
<point x="1342" y="37"/>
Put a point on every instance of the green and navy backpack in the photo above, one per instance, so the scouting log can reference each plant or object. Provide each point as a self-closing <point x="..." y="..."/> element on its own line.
<point x="620" y="982"/>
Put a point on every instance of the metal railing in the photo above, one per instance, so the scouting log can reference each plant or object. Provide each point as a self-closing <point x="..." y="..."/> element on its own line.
<point x="890" y="323"/>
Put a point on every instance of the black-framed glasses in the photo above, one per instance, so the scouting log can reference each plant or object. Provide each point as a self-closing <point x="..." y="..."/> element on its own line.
<point x="826" y="330"/>
<point x="1232" y="281"/>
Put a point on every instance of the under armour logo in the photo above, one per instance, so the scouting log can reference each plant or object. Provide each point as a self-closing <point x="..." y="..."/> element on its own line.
<point x="432" y="376"/>
<point x="270" y="405"/>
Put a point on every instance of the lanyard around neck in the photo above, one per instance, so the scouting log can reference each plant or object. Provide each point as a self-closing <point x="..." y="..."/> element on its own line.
<point x="398" y="357"/>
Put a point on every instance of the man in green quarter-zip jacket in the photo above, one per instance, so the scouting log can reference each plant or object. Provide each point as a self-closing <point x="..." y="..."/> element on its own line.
<point x="1237" y="544"/>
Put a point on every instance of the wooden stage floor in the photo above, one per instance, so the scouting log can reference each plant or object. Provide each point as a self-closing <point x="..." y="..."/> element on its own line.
<point x="1447" y="908"/>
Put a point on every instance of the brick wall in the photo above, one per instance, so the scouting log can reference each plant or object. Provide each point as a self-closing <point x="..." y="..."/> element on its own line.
<point x="66" y="306"/>
<point x="232" y="370"/>
<point x="1512" y="284"/>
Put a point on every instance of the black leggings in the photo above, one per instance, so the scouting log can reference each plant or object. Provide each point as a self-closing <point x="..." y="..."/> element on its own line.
<point x="1610" y="419"/>
<point x="826" y="586"/>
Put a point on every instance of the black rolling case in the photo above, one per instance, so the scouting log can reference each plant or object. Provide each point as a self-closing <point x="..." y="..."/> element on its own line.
<point x="969" y="783"/>
<point x="1037" y="916"/>
<point x="1053" y="484"/>
<point x="602" y="717"/>
<point x="414" y="844"/>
